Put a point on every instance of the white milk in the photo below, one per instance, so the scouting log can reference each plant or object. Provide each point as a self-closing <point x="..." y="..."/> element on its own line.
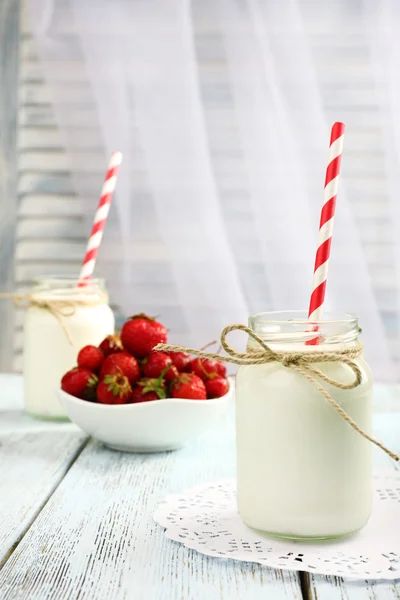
<point x="48" y="353"/>
<point x="301" y="470"/>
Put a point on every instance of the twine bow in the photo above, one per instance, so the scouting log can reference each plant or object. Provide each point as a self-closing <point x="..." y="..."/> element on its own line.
<point x="60" y="309"/>
<point x="302" y="362"/>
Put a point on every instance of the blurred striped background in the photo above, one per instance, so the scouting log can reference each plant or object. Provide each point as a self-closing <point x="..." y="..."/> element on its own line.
<point x="50" y="229"/>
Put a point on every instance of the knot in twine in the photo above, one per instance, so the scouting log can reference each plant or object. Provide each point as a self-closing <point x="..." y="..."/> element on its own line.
<point x="301" y="362"/>
<point x="60" y="309"/>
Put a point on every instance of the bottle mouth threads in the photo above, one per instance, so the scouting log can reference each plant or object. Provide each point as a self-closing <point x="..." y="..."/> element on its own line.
<point x="294" y="327"/>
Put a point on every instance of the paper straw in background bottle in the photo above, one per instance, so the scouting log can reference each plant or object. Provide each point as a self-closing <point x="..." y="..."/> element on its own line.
<point x="100" y="218"/>
<point x="326" y="226"/>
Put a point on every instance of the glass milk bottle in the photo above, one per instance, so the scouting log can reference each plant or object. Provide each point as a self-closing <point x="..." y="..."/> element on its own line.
<point x="302" y="471"/>
<point x="60" y="320"/>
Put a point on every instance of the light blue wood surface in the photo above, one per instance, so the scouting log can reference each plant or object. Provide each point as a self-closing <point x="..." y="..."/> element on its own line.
<point x="79" y="523"/>
<point x="95" y="537"/>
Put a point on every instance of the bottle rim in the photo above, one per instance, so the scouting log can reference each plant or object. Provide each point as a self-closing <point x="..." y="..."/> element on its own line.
<point x="301" y="316"/>
<point x="66" y="280"/>
<point x="293" y="326"/>
<point x="68" y="288"/>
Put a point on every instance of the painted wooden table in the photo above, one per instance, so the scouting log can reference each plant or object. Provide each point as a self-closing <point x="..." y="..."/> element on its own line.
<point x="76" y="518"/>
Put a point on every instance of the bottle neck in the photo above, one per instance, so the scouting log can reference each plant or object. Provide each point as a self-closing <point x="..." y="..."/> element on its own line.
<point x="291" y="331"/>
<point x="69" y="291"/>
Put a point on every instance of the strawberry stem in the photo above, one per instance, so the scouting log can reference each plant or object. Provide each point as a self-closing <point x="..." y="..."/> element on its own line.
<point x="162" y="374"/>
<point x="93" y="381"/>
<point x="208" y="345"/>
<point x="142" y="316"/>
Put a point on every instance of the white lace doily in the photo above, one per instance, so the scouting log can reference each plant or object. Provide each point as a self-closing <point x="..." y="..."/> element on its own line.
<point x="205" y="519"/>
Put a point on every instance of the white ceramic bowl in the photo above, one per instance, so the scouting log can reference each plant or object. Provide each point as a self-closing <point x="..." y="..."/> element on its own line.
<point x="148" y="426"/>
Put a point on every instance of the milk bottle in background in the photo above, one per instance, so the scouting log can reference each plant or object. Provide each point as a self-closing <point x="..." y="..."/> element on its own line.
<point x="302" y="471"/>
<point x="60" y="313"/>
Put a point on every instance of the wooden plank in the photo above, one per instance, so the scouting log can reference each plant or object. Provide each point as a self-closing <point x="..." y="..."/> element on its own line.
<point x="42" y="183"/>
<point x="26" y="272"/>
<point x="9" y="43"/>
<point x="37" y="114"/>
<point x="12" y="416"/>
<point x="96" y="538"/>
<point x="52" y="227"/>
<point x="51" y="138"/>
<point x="31" y="464"/>
<point x="319" y="587"/>
<point x="348" y="80"/>
<point x="43" y="161"/>
<point x="50" y="204"/>
<point x="34" y="457"/>
<point x="49" y="161"/>
<point x="75" y="550"/>
<point x="73" y="71"/>
<point x="43" y="250"/>
<point x="331" y="588"/>
<point x="37" y="93"/>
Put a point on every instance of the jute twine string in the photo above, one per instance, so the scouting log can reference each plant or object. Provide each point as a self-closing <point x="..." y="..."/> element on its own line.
<point x="60" y="309"/>
<point x="302" y="362"/>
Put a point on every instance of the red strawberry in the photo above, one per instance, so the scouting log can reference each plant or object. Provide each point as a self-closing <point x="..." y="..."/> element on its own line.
<point x="81" y="383"/>
<point x="217" y="387"/>
<point x="141" y="334"/>
<point x="149" y="389"/>
<point x="90" y="358"/>
<point x="121" y="363"/>
<point x="114" y="389"/>
<point x="205" y="368"/>
<point x="221" y="368"/>
<point x="189" y="386"/>
<point x="110" y="345"/>
<point x="157" y="363"/>
<point x="181" y="360"/>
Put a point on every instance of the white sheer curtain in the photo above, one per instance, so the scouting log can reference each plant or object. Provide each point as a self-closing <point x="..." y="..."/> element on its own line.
<point x="222" y="109"/>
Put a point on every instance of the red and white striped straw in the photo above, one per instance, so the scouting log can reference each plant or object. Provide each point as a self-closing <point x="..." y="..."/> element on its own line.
<point x="100" y="218"/>
<point x="326" y="224"/>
